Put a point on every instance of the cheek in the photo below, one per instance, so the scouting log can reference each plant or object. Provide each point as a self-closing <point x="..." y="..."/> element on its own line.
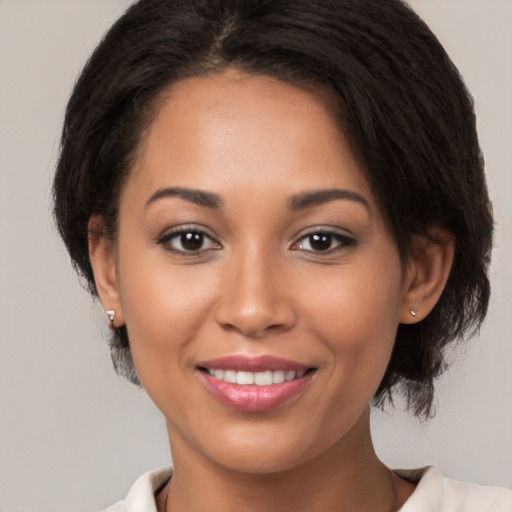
<point x="355" y="314"/>
<point x="163" y="307"/>
<point x="357" y="301"/>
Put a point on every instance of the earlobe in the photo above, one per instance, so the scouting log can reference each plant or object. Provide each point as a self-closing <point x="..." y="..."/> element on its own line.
<point x="103" y="261"/>
<point x="427" y="272"/>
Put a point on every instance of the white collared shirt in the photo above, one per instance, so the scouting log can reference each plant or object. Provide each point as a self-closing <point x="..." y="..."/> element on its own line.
<point x="434" y="493"/>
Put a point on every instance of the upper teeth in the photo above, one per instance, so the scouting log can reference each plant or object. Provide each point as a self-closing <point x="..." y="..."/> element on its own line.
<point x="259" y="378"/>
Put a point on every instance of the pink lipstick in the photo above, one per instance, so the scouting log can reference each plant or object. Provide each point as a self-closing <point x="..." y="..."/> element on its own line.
<point x="255" y="384"/>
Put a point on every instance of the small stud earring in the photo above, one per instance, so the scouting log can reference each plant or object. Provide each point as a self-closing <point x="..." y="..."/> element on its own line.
<point x="111" y="314"/>
<point x="413" y="313"/>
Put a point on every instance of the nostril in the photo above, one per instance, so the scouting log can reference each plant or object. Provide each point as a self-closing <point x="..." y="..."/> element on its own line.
<point x="229" y="327"/>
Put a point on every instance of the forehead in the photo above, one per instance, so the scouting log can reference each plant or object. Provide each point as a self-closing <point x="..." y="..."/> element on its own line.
<point x="244" y="130"/>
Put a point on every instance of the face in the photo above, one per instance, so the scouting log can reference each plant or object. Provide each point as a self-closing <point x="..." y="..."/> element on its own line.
<point x="258" y="280"/>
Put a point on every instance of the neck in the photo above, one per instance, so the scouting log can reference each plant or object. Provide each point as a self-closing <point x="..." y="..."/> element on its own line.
<point x="349" y="476"/>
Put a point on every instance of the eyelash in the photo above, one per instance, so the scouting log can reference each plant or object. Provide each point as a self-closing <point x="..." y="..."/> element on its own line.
<point x="177" y="233"/>
<point x="343" y="241"/>
<point x="323" y="236"/>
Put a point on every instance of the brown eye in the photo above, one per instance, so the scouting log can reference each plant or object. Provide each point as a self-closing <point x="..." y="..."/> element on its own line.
<point x="320" y="242"/>
<point x="192" y="241"/>
<point x="323" y="242"/>
<point x="188" y="241"/>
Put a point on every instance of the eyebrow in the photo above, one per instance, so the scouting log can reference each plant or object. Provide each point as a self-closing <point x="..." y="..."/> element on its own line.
<point x="297" y="202"/>
<point x="199" y="197"/>
<point x="318" y="197"/>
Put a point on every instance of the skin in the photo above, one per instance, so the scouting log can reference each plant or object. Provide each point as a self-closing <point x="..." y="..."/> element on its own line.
<point x="258" y="287"/>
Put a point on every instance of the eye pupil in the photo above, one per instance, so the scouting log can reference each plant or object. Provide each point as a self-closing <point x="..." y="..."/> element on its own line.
<point x="192" y="241"/>
<point x="320" y="241"/>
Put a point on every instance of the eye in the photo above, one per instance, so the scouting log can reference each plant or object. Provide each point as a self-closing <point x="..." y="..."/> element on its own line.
<point x="188" y="241"/>
<point x="323" y="241"/>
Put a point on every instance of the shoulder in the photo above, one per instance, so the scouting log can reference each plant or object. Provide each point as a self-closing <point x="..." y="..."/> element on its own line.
<point x="141" y="496"/>
<point x="437" y="493"/>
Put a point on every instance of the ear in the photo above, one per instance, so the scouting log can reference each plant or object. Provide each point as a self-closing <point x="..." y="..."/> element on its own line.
<point x="427" y="271"/>
<point x="103" y="260"/>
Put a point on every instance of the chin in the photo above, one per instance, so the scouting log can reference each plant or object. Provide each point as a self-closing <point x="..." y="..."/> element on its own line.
<point x="259" y="463"/>
<point x="264" y="451"/>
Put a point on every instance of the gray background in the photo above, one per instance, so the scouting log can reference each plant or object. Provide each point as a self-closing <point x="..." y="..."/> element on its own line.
<point x="73" y="436"/>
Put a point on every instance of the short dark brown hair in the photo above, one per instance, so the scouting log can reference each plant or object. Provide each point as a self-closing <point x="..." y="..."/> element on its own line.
<point x="403" y="105"/>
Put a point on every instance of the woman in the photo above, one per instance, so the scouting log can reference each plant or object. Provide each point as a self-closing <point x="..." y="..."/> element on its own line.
<point x="282" y="209"/>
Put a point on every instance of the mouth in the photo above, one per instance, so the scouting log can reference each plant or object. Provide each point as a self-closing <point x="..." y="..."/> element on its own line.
<point x="263" y="378"/>
<point x="259" y="384"/>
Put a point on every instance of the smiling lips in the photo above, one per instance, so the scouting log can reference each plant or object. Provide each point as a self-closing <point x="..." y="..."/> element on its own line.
<point x="254" y="384"/>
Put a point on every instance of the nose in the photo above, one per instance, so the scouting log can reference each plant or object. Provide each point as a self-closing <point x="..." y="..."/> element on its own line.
<point x="254" y="300"/>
